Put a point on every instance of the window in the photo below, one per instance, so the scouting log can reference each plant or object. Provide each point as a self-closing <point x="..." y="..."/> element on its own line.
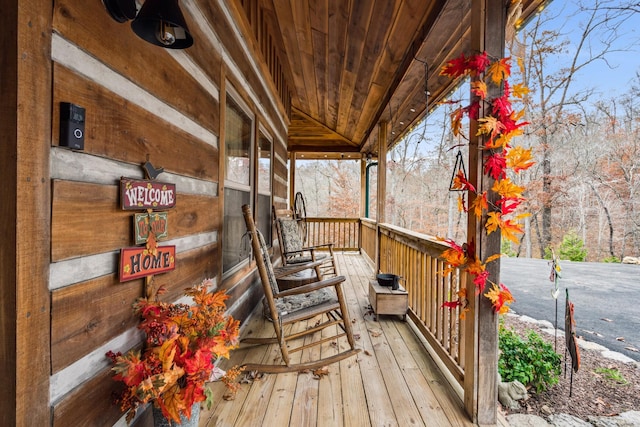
<point x="237" y="183"/>
<point x="263" y="210"/>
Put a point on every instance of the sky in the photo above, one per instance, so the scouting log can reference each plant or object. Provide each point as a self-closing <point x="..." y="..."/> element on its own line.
<point x="607" y="79"/>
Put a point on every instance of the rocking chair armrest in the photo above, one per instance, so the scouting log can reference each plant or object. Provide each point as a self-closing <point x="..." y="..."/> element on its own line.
<point x="290" y="269"/>
<point x="305" y="289"/>
<point x="311" y="248"/>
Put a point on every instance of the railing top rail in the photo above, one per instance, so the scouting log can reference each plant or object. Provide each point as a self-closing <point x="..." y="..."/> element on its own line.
<point x="419" y="241"/>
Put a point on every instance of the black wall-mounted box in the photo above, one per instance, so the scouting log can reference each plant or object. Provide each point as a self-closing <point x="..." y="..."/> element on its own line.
<point x="72" y="126"/>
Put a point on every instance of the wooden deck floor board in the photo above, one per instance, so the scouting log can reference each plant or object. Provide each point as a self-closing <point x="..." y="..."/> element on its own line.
<point x="392" y="382"/>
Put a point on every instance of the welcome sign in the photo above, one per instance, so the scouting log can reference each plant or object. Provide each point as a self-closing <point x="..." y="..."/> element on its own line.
<point x="138" y="194"/>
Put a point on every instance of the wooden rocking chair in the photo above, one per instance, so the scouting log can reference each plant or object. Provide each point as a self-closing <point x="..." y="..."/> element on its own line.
<point x="292" y="249"/>
<point x="300" y="303"/>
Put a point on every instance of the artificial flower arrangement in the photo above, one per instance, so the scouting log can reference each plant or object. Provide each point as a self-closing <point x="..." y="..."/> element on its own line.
<point x="498" y="128"/>
<point x="181" y="347"/>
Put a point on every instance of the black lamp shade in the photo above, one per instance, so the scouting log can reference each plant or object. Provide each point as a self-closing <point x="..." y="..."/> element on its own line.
<point x="160" y="22"/>
<point x="121" y="10"/>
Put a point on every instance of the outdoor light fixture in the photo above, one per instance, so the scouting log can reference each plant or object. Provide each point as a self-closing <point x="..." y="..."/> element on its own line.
<point x="160" y="22"/>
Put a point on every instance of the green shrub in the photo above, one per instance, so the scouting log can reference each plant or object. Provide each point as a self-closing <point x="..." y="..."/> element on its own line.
<point x="612" y="259"/>
<point x="505" y="248"/>
<point x="572" y="247"/>
<point x="531" y="361"/>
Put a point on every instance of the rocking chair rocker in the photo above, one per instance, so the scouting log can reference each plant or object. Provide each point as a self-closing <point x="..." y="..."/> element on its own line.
<point x="297" y="304"/>
<point x="292" y="249"/>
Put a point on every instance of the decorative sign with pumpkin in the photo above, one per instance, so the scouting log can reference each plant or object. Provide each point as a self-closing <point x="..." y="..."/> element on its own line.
<point x="149" y="227"/>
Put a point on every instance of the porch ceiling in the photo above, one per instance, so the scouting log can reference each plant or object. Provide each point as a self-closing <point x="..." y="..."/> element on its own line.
<point x="355" y="63"/>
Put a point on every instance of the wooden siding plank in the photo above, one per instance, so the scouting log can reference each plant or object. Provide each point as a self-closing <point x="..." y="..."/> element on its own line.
<point x="86" y="315"/>
<point x="117" y="129"/>
<point x="80" y="209"/>
<point x="86" y="24"/>
<point x="25" y="211"/>
<point x="90" y="404"/>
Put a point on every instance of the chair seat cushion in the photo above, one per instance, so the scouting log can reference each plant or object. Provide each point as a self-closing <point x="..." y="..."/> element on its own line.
<point x="291" y="304"/>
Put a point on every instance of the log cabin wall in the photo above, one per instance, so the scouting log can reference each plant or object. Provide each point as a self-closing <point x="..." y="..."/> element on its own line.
<point x="142" y="103"/>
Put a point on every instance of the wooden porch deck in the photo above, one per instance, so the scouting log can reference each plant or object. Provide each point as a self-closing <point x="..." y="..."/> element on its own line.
<point x="393" y="381"/>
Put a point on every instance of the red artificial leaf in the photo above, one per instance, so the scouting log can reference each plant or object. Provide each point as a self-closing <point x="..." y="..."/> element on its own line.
<point x="456" y="67"/>
<point x="495" y="166"/>
<point x="501" y="107"/>
<point x="451" y="304"/>
<point x="460" y="182"/>
<point x="478" y="63"/>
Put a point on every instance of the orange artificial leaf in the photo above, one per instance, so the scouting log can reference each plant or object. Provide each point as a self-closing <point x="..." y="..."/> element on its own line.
<point x="479" y="204"/>
<point x="492" y="258"/>
<point x="494" y="221"/>
<point x="519" y="90"/>
<point x="456" y="121"/>
<point x="489" y="126"/>
<point x="510" y="229"/>
<point x="504" y="139"/>
<point x="519" y="159"/>
<point x="500" y="70"/>
<point x="479" y="88"/>
<point x="507" y="189"/>
<point x="500" y="298"/>
<point x="461" y="204"/>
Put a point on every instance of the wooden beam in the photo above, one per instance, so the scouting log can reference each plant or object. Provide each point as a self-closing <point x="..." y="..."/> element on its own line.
<point x="25" y="123"/>
<point x="382" y="171"/>
<point x="488" y="20"/>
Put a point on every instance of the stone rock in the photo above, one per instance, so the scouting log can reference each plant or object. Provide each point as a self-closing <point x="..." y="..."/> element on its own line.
<point x="524" y="420"/>
<point x="630" y="260"/>
<point x="546" y="410"/>
<point x="509" y="393"/>
<point x="566" y="420"/>
<point x="626" y="419"/>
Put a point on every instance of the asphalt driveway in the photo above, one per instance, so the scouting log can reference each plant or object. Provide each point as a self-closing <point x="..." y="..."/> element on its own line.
<point x="606" y="298"/>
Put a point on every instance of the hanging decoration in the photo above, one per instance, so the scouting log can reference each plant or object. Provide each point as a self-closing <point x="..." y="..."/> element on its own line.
<point x="500" y="161"/>
<point x="571" y="341"/>
<point x="459" y="173"/>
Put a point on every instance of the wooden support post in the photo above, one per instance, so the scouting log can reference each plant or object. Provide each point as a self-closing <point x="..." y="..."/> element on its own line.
<point x="363" y="187"/>
<point x="25" y="209"/>
<point x="292" y="178"/>
<point x="382" y="184"/>
<point x="488" y="20"/>
<point x="382" y="171"/>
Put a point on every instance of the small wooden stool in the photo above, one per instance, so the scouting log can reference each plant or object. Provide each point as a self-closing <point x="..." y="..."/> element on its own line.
<point x="384" y="300"/>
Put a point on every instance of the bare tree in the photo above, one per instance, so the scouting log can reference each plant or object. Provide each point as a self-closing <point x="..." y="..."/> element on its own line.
<point x="554" y="97"/>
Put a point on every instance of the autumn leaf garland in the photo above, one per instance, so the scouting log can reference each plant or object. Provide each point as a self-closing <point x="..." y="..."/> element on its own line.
<point x="499" y="127"/>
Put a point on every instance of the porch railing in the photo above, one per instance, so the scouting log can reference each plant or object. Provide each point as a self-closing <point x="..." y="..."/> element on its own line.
<point x="415" y="257"/>
<point x="342" y="232"/>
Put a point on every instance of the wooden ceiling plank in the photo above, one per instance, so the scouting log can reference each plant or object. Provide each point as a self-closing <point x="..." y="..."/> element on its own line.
<point x="356" y="32"/>
<point x="337" y="36"/>
<point x="302" y="20"/>
<point x="287" y="27"/>
<point x="380" y="26"/>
